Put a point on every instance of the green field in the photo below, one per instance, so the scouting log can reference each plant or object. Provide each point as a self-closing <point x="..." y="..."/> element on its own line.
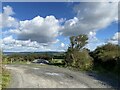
<point x="57" y="61"/>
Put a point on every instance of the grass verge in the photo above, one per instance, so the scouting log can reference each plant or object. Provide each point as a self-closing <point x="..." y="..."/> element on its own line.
<point x="5" y="78"/>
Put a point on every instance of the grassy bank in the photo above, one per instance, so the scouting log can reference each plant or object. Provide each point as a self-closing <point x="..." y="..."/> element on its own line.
<point x="5" y="78"/>
<point x="98" y="70"/>
<point x="0" y="81"/>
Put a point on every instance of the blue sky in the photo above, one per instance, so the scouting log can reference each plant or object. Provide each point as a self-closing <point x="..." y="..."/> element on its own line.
<point x="47" y="26"/>
<point x="29" y="10"/>
<point x="108" y="32"/>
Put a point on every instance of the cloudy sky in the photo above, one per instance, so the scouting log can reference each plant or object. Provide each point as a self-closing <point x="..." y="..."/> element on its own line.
<point x="47" y="26"/>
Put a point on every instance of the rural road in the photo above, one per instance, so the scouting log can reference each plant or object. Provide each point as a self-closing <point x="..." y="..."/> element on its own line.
<point x="45" y="76"/>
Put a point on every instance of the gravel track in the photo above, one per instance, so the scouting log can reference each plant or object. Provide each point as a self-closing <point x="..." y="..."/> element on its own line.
<point x="45" y="76"/>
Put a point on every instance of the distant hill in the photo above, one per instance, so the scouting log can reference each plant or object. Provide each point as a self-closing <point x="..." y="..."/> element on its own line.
<point x="48" y="52"/>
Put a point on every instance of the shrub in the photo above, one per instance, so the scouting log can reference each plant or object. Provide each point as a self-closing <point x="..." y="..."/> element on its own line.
<point x="107" y="56"/>
<point x="82" y="60"/>
<point x="76" y="56"/>
<point x="79" y="59"/>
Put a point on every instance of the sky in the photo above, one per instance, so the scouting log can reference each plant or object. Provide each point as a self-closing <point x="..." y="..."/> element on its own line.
<point x="47" y="26"/>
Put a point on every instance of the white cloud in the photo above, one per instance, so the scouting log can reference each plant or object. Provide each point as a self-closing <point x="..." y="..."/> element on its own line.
<point x="0" y="20"/>
<point x="39" y="34"/>
<point x="6" y="19"/>
<point x="62" y="45"/>
<point x="93" y="41"/>
<point x="94" y="45"/>
<point x="13" y="45"/>
<point x="42" y="30"/>
<point x="8" y="10"/>
<point x="91" y="17"/>
<point x="9" y="43"/>
<point x="115" y="39"/>
<point x="8" y="40"/>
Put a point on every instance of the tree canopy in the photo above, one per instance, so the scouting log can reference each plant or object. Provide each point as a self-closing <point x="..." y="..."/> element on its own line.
<point x="76" y="55"/>
<point x="78" y="42"/>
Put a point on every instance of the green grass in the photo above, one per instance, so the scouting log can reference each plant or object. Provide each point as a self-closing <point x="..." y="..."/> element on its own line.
<point x="0" y="81"/>
<point x="15" y="62"/>
<point x="5" y="78"/>
<point x="57" y="62"/>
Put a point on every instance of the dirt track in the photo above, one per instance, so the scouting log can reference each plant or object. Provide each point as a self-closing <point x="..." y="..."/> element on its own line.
<point x="28" y="76"/>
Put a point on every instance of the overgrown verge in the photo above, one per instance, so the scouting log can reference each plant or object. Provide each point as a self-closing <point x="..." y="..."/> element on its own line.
<point x="5" y="78"/>
<point x="0" y="80"/>
<point x="103" y="60"/>
<point x="107" y="59"/>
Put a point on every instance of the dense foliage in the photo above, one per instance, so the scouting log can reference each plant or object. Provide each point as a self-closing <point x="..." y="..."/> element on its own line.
<point x="76" y="56"/>
<point x="29" y="57"/>
<point x="107" y="57"/>
<point x="25" y="57"/>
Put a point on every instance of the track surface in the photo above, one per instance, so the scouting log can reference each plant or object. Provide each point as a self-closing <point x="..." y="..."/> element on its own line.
<point x="45" y="76"/>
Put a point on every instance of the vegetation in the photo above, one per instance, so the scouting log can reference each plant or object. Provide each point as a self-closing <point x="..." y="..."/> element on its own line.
<point x="107" y="58"/>
<point x="5" y="78"/>
<point x="104" y="58"/>
<point x="24" y="57"/>
<point x="57" y="62"/>
<point x="76" y="55"/>
<point x="0" y="80"/>
<point x="29" y="57"/>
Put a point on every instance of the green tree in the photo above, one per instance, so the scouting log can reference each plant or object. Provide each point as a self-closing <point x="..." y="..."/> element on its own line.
<point x="76" y="56"/>
<point x="78" y="42"/>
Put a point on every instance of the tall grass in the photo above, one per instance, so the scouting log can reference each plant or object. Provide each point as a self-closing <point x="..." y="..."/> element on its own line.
<point x="5" y="78"/>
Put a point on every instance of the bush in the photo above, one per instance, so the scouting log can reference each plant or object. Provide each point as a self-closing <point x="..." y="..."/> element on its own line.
<point x="76" y="56"/>
<point x="107" y="56"/>
<point x="82" y="60"/>
<point x="79" y="60"/>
